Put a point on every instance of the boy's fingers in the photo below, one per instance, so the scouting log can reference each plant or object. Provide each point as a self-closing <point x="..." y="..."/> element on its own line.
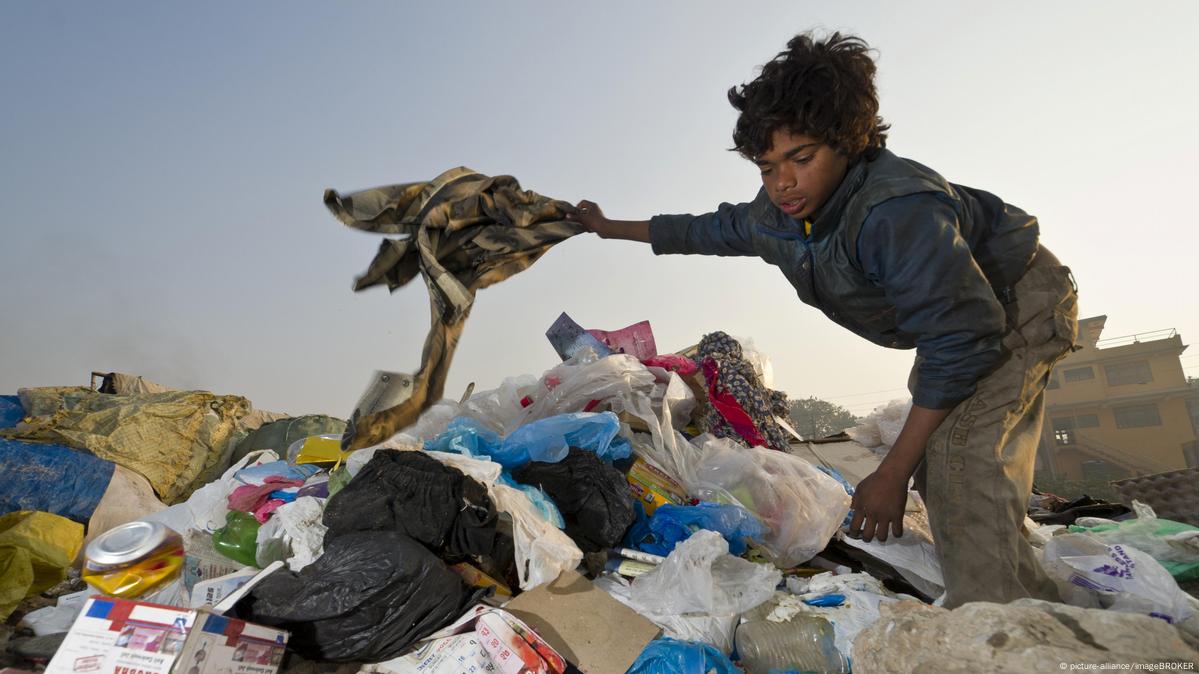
<point x="868" y="530"/>
<point x="897" y="527"/>
<point x="855" y="526"/>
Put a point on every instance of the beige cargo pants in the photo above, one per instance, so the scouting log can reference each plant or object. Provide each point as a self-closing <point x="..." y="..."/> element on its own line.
<point x="978" y="466"/>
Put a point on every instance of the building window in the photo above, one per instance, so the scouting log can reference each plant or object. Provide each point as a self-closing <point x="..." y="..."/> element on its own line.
<point x="1053" y="382"/>
<point x="1133" y="372"/>
<point x="1063" y="431"/>
<point x="1079" y="374"/>
<point x="1087" y="421"/>
<point x="1137" y="416"/>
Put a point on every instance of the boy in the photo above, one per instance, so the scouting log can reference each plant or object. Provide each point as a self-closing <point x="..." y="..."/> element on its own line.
<point x="890" y="250"/>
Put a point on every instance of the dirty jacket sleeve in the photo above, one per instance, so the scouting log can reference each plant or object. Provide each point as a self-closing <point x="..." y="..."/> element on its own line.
<point x="912" y="247"/>
<point x="725" y="231"/>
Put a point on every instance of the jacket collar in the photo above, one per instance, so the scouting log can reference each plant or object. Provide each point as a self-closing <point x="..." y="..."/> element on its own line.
<point x="829" y="216"/>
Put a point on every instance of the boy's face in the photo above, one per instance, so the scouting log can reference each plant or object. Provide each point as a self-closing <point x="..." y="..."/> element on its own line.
<point x="800" y="173"/>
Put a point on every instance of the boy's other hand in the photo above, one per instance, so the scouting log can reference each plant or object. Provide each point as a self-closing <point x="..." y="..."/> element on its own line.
<point x="878" y="504"/>
<point x="588" y="214"/>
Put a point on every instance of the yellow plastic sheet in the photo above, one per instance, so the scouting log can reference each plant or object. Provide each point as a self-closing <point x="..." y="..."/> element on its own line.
<point x="321" y="450"/>
<point x="36" y="549"/>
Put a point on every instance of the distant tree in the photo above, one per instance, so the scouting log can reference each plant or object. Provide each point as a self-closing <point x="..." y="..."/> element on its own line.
<point x="815" y="418"/>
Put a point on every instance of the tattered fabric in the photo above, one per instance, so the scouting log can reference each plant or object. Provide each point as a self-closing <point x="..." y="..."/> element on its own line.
<point x="464" y="231"/>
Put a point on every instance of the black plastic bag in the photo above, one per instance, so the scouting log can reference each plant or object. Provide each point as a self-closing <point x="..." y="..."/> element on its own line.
<point x="367" y="598"/>
<point x="594" y="497"/>
<point x="413" y="493"/>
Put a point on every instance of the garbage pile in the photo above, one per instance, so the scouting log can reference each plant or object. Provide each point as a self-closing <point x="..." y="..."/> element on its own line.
<point x="625" y="511"/>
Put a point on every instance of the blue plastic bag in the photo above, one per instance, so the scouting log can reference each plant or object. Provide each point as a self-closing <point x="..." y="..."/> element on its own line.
<point x="836" y="475"/>
<point x="669" y="656"/>
<point x="672" y="524"/>
<point x="541" y="501"/>
<point x="466" y="436"/>
<point x="547" y="440"/>
<point x="51" y="478"/>
<point x="11" y="411"/>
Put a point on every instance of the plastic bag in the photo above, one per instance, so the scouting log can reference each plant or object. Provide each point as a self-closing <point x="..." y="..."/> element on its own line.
<point x="758" y="360"/>
<point x="671" y="524"/>
<point x="594" y="497"/>
<point x="1118" y="577"/>
<point x="913" y="557"/>
<point x="369" y="596"/>
<point x="501" y="409"/>
<point x="716" y="631"/>
<point x="548" y="440"/>
<point x="543" y="551"/>
<point x="35" y="551"/>
<point x="863" y="595"/>
<point x="667" y="450"/>
<point x="1174" y="544"/>
<point x="544" y="440"/>
<point x="802" y="507"/>
<point x="880" y="429"/>
<point x="700" y="576"/>
<point x="571" y="386"/>
<point x="668" y="656"/>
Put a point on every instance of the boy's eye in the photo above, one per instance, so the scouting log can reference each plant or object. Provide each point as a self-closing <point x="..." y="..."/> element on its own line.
<point x="765" y="171"/>
<point x="803" y="160"/>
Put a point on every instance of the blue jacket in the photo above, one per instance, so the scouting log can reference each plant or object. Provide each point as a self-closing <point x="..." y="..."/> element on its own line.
<point x="897" y="255"/>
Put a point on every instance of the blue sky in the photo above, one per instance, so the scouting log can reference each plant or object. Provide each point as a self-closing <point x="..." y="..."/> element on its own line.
<point x="163" y="166"/>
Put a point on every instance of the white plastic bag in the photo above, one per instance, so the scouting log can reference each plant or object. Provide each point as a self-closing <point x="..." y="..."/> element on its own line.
<point x="1171" y="543"/>
<point x="758" y="360"/>
<point x="668" y="450"/>
<point x="1119" y="577"/>
<point x="863" y="595"/>
<point x="543" y="551"/>
<point x="802" y="507"/>
<point x="700" y="576"/>
<point x="300" y="522"/>
<point x="717" y="631"/>
<point x="880" y="429"/>
<point x="913" y="557"/>
<point x="571" y="386"/>
<point x="207" y="507"/>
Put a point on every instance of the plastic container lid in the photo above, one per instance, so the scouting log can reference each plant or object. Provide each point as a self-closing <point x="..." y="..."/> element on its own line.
<point x="127" y="543"/>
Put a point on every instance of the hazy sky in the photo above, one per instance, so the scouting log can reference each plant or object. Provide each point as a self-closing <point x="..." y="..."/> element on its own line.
<point x="163" y="164"/>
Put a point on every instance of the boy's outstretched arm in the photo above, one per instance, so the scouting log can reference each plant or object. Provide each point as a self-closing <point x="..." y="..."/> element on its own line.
<point x="880" y="498"/>
<point x="588" y="214"/>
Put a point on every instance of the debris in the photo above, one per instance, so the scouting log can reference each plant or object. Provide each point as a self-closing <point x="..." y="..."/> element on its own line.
<point x="1026" y="635"/>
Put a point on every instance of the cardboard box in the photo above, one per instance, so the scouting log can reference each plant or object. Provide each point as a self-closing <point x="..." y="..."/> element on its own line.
<point x="583" y="623"/>
<point x="124" y="636"/>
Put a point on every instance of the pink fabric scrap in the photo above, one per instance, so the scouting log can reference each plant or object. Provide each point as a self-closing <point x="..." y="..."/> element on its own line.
<point x="263" y="512"/>
<point x="248" y="498"/>
<point x="675" y="363"/>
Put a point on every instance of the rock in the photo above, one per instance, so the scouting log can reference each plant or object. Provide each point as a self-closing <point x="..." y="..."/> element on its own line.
<point x="1027" y="635"/>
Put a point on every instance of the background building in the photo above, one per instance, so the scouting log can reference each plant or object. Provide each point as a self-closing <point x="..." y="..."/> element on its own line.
<point x="1119" y="407"/>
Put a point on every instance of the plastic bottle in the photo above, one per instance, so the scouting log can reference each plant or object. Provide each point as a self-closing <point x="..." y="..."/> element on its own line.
<point x="238" y="539"/>
<point x="805" y="643"/>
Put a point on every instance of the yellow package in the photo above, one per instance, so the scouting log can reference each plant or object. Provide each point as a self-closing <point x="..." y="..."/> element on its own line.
<point x="36" y="549"/>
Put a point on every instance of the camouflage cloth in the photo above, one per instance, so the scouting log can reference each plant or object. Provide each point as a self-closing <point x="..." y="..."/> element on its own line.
<point x="464" y="231"/>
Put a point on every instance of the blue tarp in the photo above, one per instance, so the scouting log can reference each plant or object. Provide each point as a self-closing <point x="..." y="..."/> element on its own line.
<point x="51" y="478"/>
<point x="11" y="411"/>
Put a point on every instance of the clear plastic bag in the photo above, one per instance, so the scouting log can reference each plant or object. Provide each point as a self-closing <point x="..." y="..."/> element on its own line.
<point x="1174" y="544"/>
<point x="700" y="576"/>
<point x="880" y="429"/>
<point x="802" y="507"/>
<point x="1090" y="573"/>
<point x="543" y="551"/>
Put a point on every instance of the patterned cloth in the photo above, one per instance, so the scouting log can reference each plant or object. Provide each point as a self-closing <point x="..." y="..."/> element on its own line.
<point x="728" y="374"/>
<point x="464" y="231"/>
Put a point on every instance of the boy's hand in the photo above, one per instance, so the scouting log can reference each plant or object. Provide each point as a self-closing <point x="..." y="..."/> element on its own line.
<point x="878" y="504"/>
<point x="588" y="214"/>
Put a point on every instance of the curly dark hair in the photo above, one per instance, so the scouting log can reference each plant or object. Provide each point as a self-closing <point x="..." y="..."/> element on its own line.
<point x="821" y="88"/>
